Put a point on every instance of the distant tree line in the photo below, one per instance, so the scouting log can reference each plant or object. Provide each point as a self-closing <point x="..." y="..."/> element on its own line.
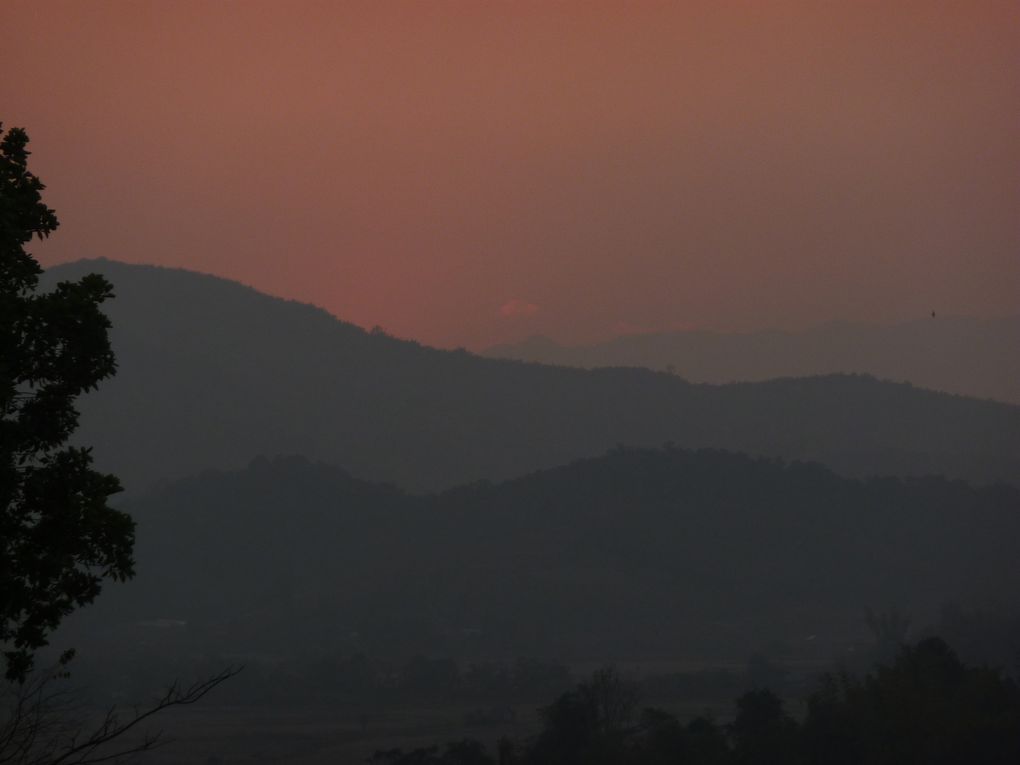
<point x="925" y="707"/>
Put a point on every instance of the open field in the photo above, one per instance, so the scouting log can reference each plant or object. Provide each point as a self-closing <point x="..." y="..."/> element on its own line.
<point x="205" y="734"/>
<point x="316" y="734"/>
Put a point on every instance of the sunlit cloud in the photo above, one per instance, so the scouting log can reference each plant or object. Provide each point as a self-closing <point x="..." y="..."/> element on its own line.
<point x="517" y="307"/>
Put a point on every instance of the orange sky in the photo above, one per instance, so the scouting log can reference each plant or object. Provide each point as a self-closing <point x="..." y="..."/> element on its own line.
<point x="473" y="172"/>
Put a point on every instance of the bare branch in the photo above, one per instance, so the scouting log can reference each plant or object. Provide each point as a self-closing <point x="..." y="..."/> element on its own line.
<point x="40" y="731"/>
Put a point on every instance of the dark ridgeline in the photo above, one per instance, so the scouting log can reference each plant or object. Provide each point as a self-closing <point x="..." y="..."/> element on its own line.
<point x="966" y="356"/>
<point x="638" y="553"/>
<point x="212" y="373"/>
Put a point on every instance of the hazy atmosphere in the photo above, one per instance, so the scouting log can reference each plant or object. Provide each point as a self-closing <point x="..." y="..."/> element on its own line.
<point x="510" y="383"/>
<point x="473" y="173"/>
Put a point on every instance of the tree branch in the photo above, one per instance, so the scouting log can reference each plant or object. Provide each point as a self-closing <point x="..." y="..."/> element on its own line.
<point x="38" y="732"/>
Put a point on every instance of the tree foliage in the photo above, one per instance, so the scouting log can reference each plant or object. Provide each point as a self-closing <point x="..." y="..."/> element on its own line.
<point x="59" y="538"/>
<point x="925" y="707"/>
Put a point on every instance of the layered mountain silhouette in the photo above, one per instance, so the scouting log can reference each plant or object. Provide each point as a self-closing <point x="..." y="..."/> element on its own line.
<point x="636" y="552"/>
<point x="212" y="373"/>
<point x="973" y="357"/>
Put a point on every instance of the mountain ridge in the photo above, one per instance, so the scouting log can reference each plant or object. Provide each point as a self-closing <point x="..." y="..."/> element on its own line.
<point x="960" y="355"/>
<point x="637" y="550"/>
<point x="212" y="373"/>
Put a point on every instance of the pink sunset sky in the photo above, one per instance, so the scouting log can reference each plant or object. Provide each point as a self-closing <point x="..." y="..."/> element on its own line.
<point x="475" y="172"/>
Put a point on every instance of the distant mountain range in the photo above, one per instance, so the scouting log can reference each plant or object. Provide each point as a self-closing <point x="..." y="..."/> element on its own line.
<point x="971" y="357"/>
<point x="638" y="552"/>
<point x="212" y="373"/>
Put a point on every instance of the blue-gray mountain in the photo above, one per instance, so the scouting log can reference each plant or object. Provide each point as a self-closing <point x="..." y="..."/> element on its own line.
<point x="637" y="553"/>
<point x="971" y="357"/>
<point x="212" y="373"/>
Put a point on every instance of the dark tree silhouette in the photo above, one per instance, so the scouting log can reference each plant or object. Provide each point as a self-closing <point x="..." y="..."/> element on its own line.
<point x="464" y="752"/>
<point x="589" y="724"/>
<point x="59" y="539"/>
<point x="925" y="707"/>
<point x="762" y="733"/>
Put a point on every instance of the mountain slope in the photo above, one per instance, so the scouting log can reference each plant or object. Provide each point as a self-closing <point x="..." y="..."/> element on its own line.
<point x="212" y="373"/>
<point x="974" y="357"/>
<point x="637" y="552"/>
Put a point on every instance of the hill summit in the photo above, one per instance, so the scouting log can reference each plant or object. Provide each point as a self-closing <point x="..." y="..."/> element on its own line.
<point x="212" y="373"/>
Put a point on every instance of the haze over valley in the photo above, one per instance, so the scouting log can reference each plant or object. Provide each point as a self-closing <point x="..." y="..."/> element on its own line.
<point x="966" y="356"/>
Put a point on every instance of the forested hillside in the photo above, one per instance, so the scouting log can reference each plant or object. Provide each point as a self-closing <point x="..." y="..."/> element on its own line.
<point x="212" y="373"/>
<point x="636" y="553"/>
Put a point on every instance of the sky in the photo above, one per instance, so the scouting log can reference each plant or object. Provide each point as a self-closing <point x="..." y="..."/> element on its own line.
<point x="469" y="173"/>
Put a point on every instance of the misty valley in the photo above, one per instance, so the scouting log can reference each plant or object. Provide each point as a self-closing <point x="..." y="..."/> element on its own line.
<point x="426" y="556"/>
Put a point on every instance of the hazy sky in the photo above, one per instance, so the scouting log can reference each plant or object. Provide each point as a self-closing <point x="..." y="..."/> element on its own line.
<point x="473" y="172"/>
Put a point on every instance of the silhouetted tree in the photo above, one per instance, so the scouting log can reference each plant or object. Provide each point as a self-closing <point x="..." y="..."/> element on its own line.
<point x="925" y="707"/>
<point x="762" y="733"/>
<point x="59" y="539"/>
<point x="590" y="724"/>
<point x="421" y="756"/>
<point x="467" y="751"/>
<point x="464" y="752"/>
<point x="506" y="751"/>
<point x="663" y="738"/>
<point x="706" y="742"/>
